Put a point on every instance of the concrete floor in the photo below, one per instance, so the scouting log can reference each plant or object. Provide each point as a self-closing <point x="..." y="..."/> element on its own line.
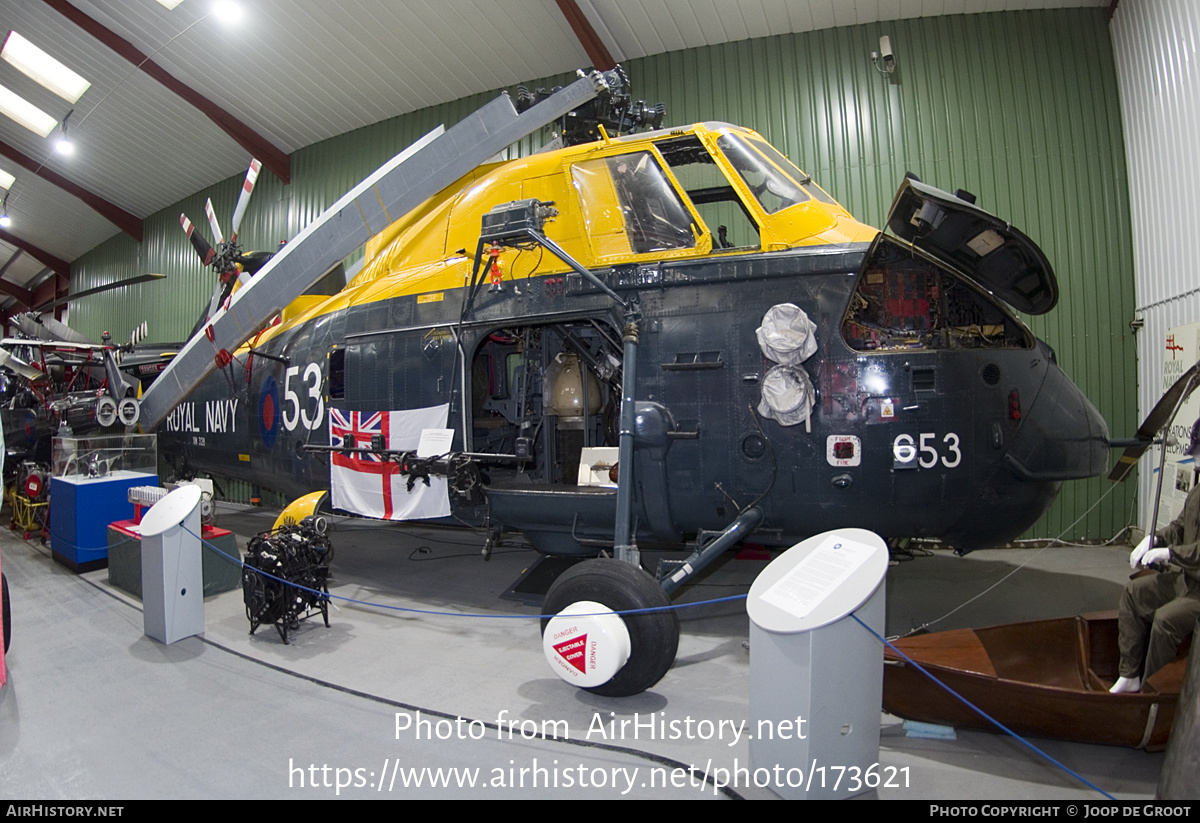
<point x="94" y="709"/>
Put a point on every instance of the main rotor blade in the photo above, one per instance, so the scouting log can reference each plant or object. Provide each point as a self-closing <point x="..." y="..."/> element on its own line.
<point x="212" y="222"/>
<point x="239" y="211"/>
<point x="49" y="328"/>
<point x="120" y="284"/>
<point x="1159" y="416"/>
<point x="206" y="252"/>
<point x="27" y="325"/>
<point x="18" y="366"/>
<point x="396" y="188"/>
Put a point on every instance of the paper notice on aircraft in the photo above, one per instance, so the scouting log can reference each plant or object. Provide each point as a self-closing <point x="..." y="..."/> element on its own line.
<point x="435" y="442"/>
<point x="817" y="576"/>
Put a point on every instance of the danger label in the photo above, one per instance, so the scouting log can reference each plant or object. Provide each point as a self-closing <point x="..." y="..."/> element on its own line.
<point x="572" y="651"/>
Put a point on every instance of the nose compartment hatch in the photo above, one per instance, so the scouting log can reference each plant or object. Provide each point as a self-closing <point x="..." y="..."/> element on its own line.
<point x="979" y="245"/>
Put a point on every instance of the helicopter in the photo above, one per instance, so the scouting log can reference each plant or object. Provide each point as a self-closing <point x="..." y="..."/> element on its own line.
<point x="646" y="333"/>
<point x="56" y="381"/>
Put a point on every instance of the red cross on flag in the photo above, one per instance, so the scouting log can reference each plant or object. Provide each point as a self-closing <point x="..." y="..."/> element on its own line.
<point x="365" y="483"/>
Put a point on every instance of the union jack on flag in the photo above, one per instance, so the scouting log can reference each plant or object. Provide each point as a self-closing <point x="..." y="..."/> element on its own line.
<point x="362" y="426"/>
<point x="369" y="485"/>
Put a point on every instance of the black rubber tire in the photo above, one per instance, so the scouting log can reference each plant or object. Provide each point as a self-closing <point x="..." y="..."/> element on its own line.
<point x="4" y="611"/>
<point x="621" y="586"/>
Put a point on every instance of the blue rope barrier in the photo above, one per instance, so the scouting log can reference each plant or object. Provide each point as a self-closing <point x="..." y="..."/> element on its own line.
<point x="671" y="607"/>
<point x="982" y="713"/>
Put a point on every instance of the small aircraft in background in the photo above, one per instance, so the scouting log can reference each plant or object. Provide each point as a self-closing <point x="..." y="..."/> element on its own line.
<point x="52" y="380"/>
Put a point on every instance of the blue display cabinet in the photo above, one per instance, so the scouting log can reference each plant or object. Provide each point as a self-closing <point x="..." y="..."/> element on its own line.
<point x="89" y="490"/>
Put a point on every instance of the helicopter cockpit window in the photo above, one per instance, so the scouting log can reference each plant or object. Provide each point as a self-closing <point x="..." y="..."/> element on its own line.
<point x="806" y="182"/>
<point x="706" y="185"/>
<point x="654" y="217"/>
<point x="906" y="303"/>
<point x="773" y="189"/>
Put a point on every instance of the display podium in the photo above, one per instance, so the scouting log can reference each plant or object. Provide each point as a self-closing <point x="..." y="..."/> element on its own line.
<point x="816" y="674"/>
<point x="172" y="574"/>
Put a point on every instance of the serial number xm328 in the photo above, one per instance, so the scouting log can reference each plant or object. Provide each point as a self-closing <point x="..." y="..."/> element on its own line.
<point x="757" y="361"/>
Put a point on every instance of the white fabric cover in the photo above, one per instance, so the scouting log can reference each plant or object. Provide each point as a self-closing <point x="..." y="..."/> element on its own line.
<point x="786" y="335"/>
<point x="787" y="395"/>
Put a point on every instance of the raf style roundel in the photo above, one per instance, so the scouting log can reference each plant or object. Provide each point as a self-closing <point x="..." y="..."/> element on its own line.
<point x="269" y="413"/>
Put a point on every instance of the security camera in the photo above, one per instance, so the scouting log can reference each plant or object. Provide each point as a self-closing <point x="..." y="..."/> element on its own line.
<point x="885" y="51"/>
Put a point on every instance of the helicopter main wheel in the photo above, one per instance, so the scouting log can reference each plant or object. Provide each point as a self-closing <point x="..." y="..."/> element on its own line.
<point x="593" y="588"/>
<point x="4" y="612"/>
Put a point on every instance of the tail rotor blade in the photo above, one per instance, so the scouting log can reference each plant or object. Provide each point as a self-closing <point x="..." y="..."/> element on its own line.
<point x="212" y="222"/>
<point x="244" y="199"/>
<point x="137" y="336"/>
<point x="206" y="252"/>
<point x="1160" y="415"/>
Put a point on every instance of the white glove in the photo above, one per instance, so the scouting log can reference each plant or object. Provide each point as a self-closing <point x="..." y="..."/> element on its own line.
<point x="1135" y="557"/>
<point x="1155" y="556"/>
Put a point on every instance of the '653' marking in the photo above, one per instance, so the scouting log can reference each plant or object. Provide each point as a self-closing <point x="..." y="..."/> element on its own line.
<point x="927" y="451"/>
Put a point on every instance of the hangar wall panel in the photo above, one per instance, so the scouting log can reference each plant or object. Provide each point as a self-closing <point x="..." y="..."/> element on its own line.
<point x="1155" y="42"/>
<point x="1019" y="108"/>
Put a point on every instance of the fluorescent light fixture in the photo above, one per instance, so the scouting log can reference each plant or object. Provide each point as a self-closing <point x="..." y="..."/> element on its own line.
<point x="25" y="113"/>
<point x="6" y="180"/>
<point x="43" y="68"/>
<point x="227" y="11"/>
<point x="170" y="4"/>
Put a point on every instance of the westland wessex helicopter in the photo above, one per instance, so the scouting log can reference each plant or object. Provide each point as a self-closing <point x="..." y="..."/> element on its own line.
<point x="763" y="362"/>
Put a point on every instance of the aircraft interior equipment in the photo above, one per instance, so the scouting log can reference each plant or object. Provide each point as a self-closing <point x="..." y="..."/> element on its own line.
<point x="626" y="660"/>
<point x="396" y="188"/>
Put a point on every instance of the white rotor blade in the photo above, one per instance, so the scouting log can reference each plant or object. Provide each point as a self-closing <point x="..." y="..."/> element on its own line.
<point x="239" y="211"/>
<point x="396" y="188"/>
<point x="58" y="330"/>
<point x="212" y="222"/>
<point x="20" y="367"/>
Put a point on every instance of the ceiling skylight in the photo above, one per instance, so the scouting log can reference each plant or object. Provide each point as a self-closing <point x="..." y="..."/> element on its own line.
<point x="43" y="68"/>
<point x="25" y="113"/>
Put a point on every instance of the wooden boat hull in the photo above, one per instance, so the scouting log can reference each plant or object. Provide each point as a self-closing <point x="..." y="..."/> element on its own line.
<point x="1045" y="678"/>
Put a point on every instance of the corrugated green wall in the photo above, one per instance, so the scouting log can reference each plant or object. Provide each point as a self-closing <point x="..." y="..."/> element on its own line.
<point x="1019" y="108"/>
